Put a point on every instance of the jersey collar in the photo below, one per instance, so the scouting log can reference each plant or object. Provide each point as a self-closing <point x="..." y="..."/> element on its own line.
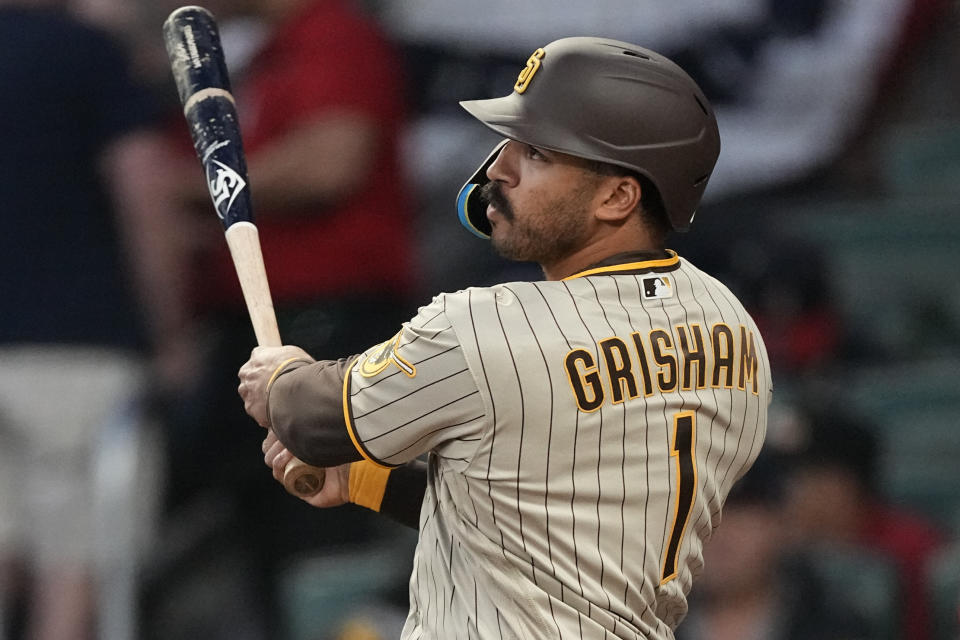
<point x="632" y="263"/>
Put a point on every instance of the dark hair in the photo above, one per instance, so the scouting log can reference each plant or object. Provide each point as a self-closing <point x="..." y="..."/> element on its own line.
<point x="652" y="211"/>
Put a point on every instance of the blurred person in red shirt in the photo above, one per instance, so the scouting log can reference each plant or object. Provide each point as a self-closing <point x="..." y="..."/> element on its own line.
<point x="321" y="108"/>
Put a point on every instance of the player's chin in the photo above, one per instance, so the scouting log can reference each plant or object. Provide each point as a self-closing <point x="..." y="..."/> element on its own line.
<point x="498" y="237"/>
<point x="505" y="247"/>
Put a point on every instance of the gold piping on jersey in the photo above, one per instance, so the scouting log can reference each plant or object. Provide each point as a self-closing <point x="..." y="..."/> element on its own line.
<point x="685" y="359"/>
<point x="348" y="420"/>
<point x="663" y="264"/>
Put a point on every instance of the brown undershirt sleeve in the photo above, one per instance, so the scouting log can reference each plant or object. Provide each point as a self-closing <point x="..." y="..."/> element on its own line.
<point x="305" y="405"/>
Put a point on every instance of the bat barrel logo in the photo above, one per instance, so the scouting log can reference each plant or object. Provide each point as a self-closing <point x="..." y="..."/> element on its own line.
<point x="225" y="185"/>
<point x="196" y="60"/>
<point x="213" y="120"/>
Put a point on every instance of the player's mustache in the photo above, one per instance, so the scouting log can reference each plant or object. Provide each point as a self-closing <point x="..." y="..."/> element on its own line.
<point x="492" y="193"/>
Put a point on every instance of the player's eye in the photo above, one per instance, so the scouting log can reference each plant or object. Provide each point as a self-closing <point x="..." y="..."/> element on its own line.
<point x="534" y="154"/>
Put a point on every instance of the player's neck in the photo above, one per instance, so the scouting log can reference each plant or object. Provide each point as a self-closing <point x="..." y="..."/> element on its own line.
<point x="609" y="251"/>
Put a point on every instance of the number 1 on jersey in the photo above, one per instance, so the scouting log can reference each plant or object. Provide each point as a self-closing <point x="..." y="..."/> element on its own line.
<point x="684" y="440"/>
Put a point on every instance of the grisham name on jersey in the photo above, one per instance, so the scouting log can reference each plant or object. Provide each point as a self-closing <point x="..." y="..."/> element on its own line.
<point x="684" y="358"/>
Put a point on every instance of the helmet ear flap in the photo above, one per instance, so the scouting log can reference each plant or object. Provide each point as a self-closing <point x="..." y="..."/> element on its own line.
<point x="471" y="207"/>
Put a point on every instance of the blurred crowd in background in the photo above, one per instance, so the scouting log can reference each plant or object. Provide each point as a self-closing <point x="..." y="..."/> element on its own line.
<point x="133" y="498"/>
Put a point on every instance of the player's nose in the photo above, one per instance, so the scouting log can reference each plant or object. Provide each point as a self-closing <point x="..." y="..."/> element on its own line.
<point x="503" y="168"/>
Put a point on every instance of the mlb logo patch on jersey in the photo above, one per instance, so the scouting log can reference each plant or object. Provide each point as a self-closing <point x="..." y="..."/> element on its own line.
<point x="657" y="287"/>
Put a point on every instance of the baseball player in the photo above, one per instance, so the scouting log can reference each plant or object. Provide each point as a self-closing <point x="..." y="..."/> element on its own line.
<point x="564" y="446"/>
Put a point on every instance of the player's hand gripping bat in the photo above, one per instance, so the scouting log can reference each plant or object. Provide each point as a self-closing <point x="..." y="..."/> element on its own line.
<point x="196" y="58"/>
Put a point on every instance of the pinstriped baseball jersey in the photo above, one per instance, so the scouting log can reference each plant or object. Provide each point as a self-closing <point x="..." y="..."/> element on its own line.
<point x="582" y="437"/>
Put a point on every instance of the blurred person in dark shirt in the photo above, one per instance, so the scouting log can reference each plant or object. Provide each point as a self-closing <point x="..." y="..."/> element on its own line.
<point x="833" y="497"/>
<point x="87" y="304"/>
<point x="753" y="587"/>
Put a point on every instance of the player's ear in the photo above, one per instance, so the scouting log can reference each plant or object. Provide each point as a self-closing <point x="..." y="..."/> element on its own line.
<point x="619" y="198"/>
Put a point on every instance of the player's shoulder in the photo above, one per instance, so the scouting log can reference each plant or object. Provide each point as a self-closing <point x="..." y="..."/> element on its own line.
<point x="705" y="291"/>
<point x="700" y="283"/>
<point x="449" y="301"/>
<point x="456" y="304"/>
<point x="686" y="265"/>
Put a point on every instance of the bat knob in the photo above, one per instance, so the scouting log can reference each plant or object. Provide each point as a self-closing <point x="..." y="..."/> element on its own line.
<point x="302" y="480"/>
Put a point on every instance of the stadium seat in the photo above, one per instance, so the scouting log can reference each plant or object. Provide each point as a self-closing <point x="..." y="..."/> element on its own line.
<point x="893" y="264"/>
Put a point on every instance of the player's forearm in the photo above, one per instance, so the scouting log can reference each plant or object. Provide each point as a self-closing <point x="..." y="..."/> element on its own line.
<point x="305" y="406"/>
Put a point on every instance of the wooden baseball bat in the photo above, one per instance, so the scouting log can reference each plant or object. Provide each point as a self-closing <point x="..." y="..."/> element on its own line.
<point x="192" y="40"/>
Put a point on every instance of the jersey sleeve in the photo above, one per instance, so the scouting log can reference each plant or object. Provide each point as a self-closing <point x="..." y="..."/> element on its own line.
<point x="414" y="393"/>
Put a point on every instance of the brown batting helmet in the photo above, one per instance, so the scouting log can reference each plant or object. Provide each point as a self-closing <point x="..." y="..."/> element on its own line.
<point x="609" y="101"/>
